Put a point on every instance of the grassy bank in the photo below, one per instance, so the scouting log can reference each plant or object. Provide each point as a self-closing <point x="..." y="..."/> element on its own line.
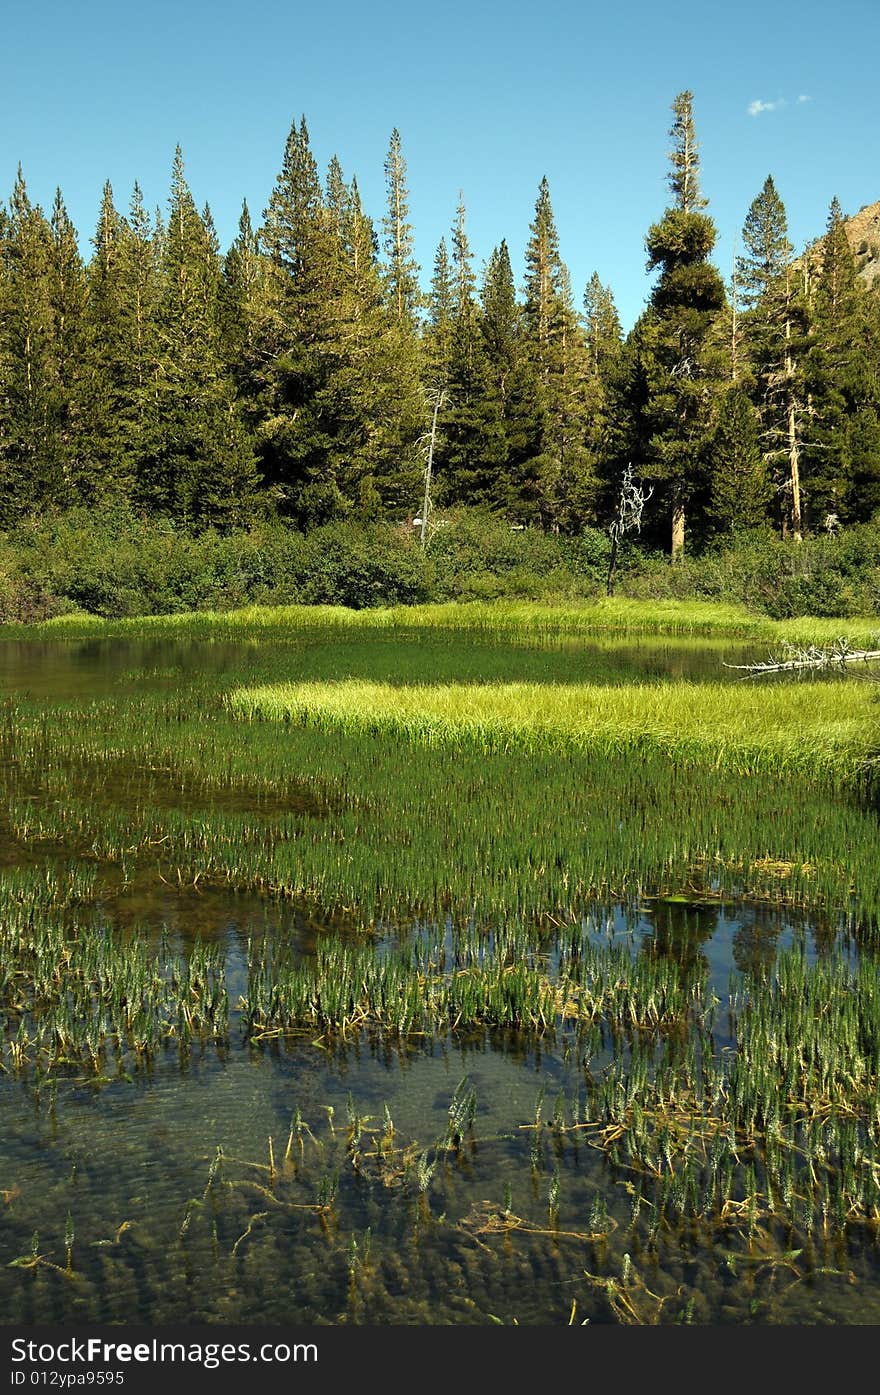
<point x="530" y="619"/>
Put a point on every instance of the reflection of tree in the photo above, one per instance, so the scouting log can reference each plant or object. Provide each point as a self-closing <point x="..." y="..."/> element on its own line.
<point x="755" y="939"/>
<point x="680" y="931"/>
<point x="825" y="930"/>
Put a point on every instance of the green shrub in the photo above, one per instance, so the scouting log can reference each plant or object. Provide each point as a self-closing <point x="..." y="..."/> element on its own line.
<point x="115" y="563"/>
<point x="823" y="576"/>
<point x="476" y="555"/>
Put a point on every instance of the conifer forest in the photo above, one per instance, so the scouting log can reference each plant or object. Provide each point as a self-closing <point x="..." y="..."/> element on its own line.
<point x="298" y="372"/>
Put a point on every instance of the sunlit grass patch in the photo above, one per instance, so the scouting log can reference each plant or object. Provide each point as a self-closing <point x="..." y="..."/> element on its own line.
<point x="536" y="620"/>
<point x="816" y="730"/>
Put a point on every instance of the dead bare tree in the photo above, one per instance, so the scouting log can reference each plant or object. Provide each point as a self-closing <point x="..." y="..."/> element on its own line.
<point x="631" y="502"/>
<point x="437" y="397"/>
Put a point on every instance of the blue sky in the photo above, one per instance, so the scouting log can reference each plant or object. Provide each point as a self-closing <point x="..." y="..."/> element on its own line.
<point x="488" y="97"/>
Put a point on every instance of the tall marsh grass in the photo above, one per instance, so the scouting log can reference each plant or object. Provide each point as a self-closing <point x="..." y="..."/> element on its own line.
<point x="815" y="731"/>
<point x="609" y="616"/>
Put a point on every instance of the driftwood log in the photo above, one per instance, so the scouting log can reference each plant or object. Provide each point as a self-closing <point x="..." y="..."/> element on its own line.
<point x="837" y="655"/>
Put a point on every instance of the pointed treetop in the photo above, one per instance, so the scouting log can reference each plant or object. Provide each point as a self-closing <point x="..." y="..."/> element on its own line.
<point x="20" y="204"/>
<point x="498" y="296"/>
<point x="684" y="179"/>
<point x="295" y="205"/>
<point x="603" y="327"/>
<point x="108" y="229"/>
<point x="545" y="282"/>
<point x="441" y="285"/>
<point x="462" y="258"/>
<point x="138" y="217"/>
<point x="766" y="248"/>
<point x="337" y="197"/>
<point x="245" y="226"/>
<point x="836" y="288"/>
<point x="401" y="268"/>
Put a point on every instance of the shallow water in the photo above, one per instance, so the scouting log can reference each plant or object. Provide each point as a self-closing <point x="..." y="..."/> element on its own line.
<point x="114" y="1203"/>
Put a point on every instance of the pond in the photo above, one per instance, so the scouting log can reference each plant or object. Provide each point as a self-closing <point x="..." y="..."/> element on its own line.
<point x="306" y="1025"/>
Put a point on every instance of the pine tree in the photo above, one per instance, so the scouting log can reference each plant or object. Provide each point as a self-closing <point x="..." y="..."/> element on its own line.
<point x="113" y="389"/>
<point x="603" y="332"/>
<point x="402" y="270"/>
<point x="740" y="489"/>
<point x="840" y="380"/>
<point x="684" y="181"/>
<point x="342" y="410"/>
<point x="249" y="322"/>
<point x="775" y="328"/>
<point x="461" y="468"/>
<point x="32" y="405"/>
<point x="559" y="471"/>
<point x="604" y="345"/>
<point x="197" y="465"/>
<point x="67" y="294"/>
<point x="508" y="391"/>
<point x="141" y="264"/>
<point x="490" y="431"/>
<point x="371" y="393"/>
<point x="305" y="259"/>
<point x="437" y="339"/>
<point x="337" y="199"/>
<point x="681" y="378"/>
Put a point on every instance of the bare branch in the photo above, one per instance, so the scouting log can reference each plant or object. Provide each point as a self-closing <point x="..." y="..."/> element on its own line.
<point x="796" y="659"/>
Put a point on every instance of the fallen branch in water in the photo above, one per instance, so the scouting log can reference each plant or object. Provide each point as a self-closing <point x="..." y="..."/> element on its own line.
<point x="836" y="656"/>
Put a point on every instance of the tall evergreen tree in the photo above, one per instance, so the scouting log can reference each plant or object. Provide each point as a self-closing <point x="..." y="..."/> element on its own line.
<point x="684" y="179"/>
<point x="604" y="344"/>
<point x="337" y="199"/>
<point x="342" y="410"/>
<point x="371" y="394"/>
<point x="509" y="389"/>
<point x="604" y="335"/>
<point x="840" y="373"/>
<point x="460" y="461"/>
<point x="775" y="328"/>
<point x="681" y="378"/>
<point x="249" y="322"/>
<point x="142" y="278"/>
<point x="303" y="256"/>
<point x="121" y="349"/>
<point x="740" y="488"/>
<point x="108" y="389"/>
<point x="197" y="465"/>
<point x="559" y="471"/>
<point x="67" y="293"/>
<point x="31" y="397"/>
<point x="437" y="339"/>
<point x="494" y="424"/>
<point x="402" y="269"/>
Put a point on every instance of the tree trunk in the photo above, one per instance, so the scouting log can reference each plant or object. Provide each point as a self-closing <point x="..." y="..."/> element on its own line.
<point x="794" y="472"/>
<point x="677" y="527"/>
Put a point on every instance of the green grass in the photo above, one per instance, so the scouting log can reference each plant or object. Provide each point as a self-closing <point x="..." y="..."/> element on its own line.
<point x="817" y="731"/>
<point x="614" y="616"/>
<point x="480" y="773"/>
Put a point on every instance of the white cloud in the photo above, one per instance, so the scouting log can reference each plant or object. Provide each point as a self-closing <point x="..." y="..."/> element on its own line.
<point x="804" y="98"/>
<point x="756" y="108"/>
